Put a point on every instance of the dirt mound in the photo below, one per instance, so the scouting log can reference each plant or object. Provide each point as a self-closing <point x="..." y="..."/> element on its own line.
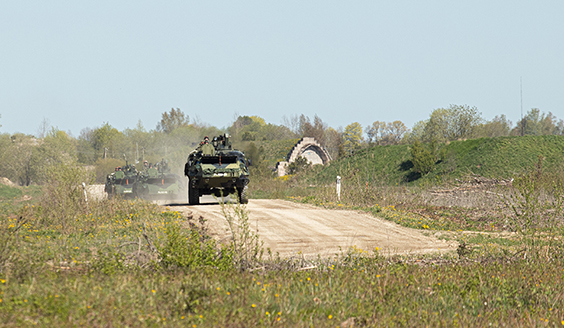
<point x="7" y="182"/>
<point x="96" y="191"/>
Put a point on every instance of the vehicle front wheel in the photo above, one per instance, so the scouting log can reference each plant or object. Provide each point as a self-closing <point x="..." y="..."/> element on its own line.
<point x="193" y="194"/>
<point x="243" y="195"/>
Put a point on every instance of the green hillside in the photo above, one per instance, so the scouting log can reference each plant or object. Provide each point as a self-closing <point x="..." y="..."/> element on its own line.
<point x="501" y="157"/>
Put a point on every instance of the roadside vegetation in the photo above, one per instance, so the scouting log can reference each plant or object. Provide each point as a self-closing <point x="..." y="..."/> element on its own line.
<point x="68" y="258"/>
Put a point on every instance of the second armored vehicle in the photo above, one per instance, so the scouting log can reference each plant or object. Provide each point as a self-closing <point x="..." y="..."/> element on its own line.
<point x="158" y="183"/>
<point x="216" y="168"/>
<point x="122" y="182"/>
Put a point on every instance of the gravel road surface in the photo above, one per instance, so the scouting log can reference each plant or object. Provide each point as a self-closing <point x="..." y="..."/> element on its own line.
<point x="288" y="228"/>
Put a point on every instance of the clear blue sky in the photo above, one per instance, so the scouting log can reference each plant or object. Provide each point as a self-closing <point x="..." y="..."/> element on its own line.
<point x="82" y="63"/>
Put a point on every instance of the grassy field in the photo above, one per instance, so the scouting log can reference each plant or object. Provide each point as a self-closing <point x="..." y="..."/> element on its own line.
<point x="124" y="265"/>
<point x="65" y="262"/>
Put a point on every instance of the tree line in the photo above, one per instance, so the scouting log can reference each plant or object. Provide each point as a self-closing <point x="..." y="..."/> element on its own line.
<point x="103" y="148"/>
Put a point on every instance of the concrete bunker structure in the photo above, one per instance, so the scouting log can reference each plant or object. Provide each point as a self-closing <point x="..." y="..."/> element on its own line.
<point x="308" y="148"/>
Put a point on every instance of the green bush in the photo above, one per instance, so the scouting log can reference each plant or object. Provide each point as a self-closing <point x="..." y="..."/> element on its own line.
<point x="192" y="250"/>
<point x="299" y="165"/>
<point x="423" y="158"/>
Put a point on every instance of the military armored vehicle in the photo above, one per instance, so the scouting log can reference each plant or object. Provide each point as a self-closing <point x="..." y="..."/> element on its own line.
<point x="122" y="182"/>
<point x="159" y="183"/>
<point x="216" y="169"/>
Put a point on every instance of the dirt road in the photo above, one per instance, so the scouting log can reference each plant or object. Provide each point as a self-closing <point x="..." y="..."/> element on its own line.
<point x="289" y="228"/>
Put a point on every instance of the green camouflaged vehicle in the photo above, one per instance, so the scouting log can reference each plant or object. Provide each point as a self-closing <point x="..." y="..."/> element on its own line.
<point x="158" y="182"/>
<point x="122" y="182"/>
<point x="217" y="169"/>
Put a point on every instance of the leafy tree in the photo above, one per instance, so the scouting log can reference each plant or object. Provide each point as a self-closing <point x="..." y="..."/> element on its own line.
<point x="466" y="120"/>
<point x="5" y="149"/>
<point x="85" y="146"/>
<point x="107" y="140"/>
<point x="334" y="143"/>
<point x="247" y="128"/>
<point x="499" y="126"/>
<point x="551" y="125"/>
<point x="56" y="148"/>
<point x="254" y="128"/>
<point x="352" y="137"/>
<point x="374" y="132"/>
<point x="276" y="132"/>
<point x="315" y="130"/>
<point x="141" y="139"/>
<point x="439" y="126"/>
<point x="382" y="133"/>
<point x="259" y="120"/>
<point x="172" y="120"/>
<point x="239" y="123"/>
<point x="292" y="123"/>
<point x="25" y="158"/>
<point x="17" y="158"/>
<point x="302" y="126"/>
<point x="397" y="130"/>
<point x="417" y="132"/>
<point x="447" y="124"/>
<point x="536" y="124"/>
<point x="248" y="136"/>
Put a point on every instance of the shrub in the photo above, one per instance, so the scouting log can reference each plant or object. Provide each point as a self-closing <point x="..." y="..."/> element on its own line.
<point x="423" y="158"/>
<point x="300" y="164"/>
<point x="191" y="250"/>
<point x="64" y="194"/>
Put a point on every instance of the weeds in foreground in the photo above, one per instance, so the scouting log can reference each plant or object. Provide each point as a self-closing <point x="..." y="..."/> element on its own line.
<point x="536" y="204"/>
<point x="247" y="248"/>
<point x="9" y="230"/>
<point x="368" y="290"/>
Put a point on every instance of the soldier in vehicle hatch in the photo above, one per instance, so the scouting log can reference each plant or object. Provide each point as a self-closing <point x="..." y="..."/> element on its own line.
<point x="207" y="148"/>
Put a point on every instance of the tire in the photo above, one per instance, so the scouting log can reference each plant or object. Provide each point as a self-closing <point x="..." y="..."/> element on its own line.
<point x="243" y="195"/>
<point x="193" y="194"/>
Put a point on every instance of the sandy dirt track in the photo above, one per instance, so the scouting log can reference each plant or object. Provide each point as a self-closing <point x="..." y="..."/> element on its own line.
<point x="289" y="228"/>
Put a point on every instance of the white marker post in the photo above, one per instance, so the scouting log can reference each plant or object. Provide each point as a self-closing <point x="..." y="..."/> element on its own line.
<point x="85" y="195"/>
<point x="339" y="188"/>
